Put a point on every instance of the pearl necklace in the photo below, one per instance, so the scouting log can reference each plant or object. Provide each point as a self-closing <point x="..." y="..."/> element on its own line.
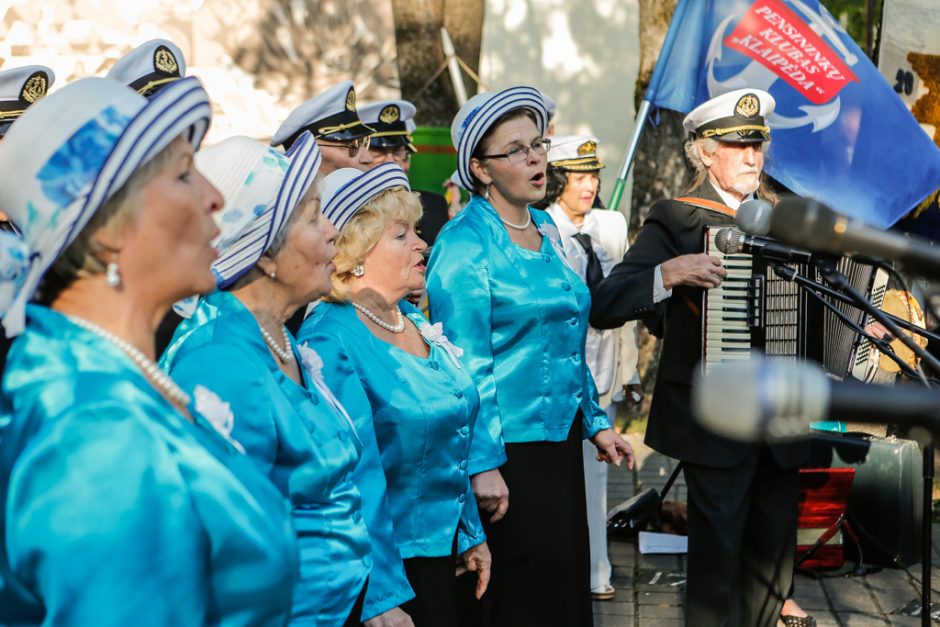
<point x="151" y="370"/>
<point x="285" y="354"/>
<point x="518" y="227"/>
<point x="398" y="327"/>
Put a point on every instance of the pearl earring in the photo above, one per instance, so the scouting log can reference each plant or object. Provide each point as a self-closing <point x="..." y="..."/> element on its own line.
<point x="273" y="276"/>
<point x="358" y="270"/>
<point x="112" y="273"/>
<point x="486" y="194"/>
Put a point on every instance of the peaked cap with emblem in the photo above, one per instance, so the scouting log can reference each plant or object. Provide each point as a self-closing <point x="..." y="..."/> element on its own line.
<point x="150" y="67"/>
<point x="19" y="88"/>
<point x="331" y="115"/>
<point x="575" y="152"/>
<point x="737" y="117"/>
<point x="390" y="119"/>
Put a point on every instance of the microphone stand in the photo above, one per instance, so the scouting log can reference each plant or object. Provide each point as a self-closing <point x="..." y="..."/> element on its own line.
<point x="817" y="289"/>
<point x="839" y="281"/>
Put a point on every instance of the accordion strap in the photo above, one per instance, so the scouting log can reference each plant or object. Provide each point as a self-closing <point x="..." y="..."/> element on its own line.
<point x="711" y="205"/>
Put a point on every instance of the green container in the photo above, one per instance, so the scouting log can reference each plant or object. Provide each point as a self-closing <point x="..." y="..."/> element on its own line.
<point x="436" y="159"/>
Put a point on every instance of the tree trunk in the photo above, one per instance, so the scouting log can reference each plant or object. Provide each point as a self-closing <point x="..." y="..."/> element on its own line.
<point x="421" y="56"/>
<point x="659" y="168"/>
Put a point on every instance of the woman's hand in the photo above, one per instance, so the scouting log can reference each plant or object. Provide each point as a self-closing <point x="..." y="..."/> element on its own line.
<point x="395" y="617"/>
<point x="477" y="559"/>
<point x="492" y="493"/>
<point x="612" y="448"/>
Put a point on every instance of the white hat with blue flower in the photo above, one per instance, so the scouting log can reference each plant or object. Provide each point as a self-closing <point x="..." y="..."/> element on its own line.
<point x="66" y="156"/>
<point x="480" y="113"/>
<point x="261" y="187"/>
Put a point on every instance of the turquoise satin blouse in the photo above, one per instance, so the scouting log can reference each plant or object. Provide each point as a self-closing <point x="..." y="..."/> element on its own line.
<point x="296" y="438"/>
<point x="421" y="410"/>
<point x="117" y="509"/>
<point x="521" y="317"/>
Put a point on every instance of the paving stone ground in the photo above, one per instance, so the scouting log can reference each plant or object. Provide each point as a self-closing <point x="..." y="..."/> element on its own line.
<point x="650" y="589"/>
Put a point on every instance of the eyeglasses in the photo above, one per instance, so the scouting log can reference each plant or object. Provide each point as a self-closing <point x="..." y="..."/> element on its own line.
<point x="400" y="153"/>
<point x="353" y="145"/>
<point x="521" y="153"/>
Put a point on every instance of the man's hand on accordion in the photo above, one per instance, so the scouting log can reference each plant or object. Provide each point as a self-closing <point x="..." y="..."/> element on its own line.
<point x="699" y="270"/>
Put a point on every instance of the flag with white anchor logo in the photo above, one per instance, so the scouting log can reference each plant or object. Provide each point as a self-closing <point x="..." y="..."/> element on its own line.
<point x="839" y="132"/>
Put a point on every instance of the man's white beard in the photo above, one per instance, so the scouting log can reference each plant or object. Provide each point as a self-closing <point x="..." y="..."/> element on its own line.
<point x="747" y="187"/>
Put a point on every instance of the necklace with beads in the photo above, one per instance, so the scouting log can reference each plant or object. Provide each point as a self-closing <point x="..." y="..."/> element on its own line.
<point x="151" y="370"/>
<point x="284" y="354"/>
<point x="518" y="227"/>
<point x="398" y="327"/>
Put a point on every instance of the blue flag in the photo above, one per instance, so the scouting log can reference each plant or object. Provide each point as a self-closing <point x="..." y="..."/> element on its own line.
<point x="839" y="132"/>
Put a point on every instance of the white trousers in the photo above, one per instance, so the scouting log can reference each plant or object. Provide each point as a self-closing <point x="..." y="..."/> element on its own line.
<point x="595" y="488"/>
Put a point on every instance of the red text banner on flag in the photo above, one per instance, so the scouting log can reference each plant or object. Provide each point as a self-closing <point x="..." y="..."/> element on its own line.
<point x="774" y="36"/>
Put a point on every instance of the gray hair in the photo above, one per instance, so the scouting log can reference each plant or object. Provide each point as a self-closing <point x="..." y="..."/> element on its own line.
<point x="693" y="152"/>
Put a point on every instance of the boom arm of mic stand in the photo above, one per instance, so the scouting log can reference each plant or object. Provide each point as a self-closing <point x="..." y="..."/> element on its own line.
<point x="838" y="280"/>
<point x="789" y="274"/>
<point x="812" y="287"/>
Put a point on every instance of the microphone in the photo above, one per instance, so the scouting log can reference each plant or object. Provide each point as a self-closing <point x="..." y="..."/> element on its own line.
<point x="813" y="225"/>
<point x="777" y="400"/>
<point x="732" y="241"/>
<point x="753" y="216"/>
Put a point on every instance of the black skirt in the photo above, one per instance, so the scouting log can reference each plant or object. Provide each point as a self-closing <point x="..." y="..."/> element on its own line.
<point x="541" y="559"/>
<point x="433" y="580"/>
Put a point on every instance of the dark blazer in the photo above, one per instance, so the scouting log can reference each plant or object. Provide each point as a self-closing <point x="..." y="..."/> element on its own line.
<point x="673" y="228"/>
<point x="434" y="218"/>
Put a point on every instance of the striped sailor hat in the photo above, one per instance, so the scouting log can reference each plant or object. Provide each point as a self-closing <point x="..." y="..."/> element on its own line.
<point x="480" y="112"/>
<point x="66" y="156"/>
<point x="150" y="66"/>
<point x="261" y="186"/>
<point x="347" y="190"/>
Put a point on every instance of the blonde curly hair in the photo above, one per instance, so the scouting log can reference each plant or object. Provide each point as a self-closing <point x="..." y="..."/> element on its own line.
<point x="364" y="230"/>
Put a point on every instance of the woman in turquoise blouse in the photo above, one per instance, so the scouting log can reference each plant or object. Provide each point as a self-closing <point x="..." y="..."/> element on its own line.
<point x="498" y="283"/>
<point x="403" y="381"/>
<point x="124" y="500"/>
<point x="276" y="255"/>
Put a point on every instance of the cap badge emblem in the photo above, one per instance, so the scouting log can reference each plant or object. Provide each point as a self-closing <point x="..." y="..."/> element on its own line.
<point x="164" y="61"/>
<point x="747" y="106"/>
<point x="35" y="87"/>
<point x="389" y="114"/>
<point x="351" y="100"/>
<point x="587" y="148"/>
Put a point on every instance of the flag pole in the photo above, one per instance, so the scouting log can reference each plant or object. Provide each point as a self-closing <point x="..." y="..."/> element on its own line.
<point x="641" y="118"/>
<point x="644" y="111"/>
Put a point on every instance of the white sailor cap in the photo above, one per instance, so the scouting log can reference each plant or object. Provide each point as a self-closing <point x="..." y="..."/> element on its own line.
<point x="331" y="115"/>
<point x="737" y="117"/>
<point x="261" y="187"/>
<point x="347" y="190"/>
<point x="575" y="152"/>
<point x="390" y="120"/>
<point x="479" y="113"/>
<point x="150" y="66"/>
<point x="19" y="88"/>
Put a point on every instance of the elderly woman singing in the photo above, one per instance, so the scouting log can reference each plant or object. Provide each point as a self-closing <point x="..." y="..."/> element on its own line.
<point x="122" y="503"/>
<point x="277" y="253"/>
<point x="499" y="284"/>
<point x="403" y="381"/>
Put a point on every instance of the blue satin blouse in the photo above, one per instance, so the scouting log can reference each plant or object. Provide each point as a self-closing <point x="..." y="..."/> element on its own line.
<point x="296" y="438"/>
<point x="521" y="317"/>
<point x="422" y="412"/>
<point x="117" y="510"/>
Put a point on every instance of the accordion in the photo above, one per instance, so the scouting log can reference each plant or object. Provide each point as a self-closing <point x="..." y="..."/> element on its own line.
<point x="754" y="310"/>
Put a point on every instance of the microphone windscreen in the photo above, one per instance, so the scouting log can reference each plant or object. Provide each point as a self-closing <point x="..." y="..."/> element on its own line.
<point x="754" y="216"/>
<point x="803" y="222"/>
<point x="758" y="399"/>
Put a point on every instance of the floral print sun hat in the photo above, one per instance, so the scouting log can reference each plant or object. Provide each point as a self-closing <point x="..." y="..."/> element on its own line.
<point x="66" y="156"/>
<point x="261" y="186"/>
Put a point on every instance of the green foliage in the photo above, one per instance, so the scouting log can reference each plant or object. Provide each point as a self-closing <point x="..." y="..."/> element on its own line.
<point x="853" y="15"/>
